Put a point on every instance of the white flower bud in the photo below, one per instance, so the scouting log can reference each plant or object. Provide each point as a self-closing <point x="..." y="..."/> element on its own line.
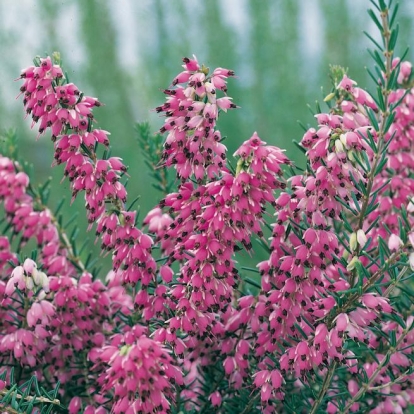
<point x="17" y="272"/>
<point x="342" y="137"/>
<point x="29" y="266"/>
<point x="411" y="238"/>
<point x="352" y="264"/>
<point x="338" y="146"/>
<point x="411" y="260"/>
<point x="29" y="283"/>
<point x="362" y="238"/>
<point x="44" y="281"/>
<point x="41" y="295"/>
<point x="329" y="97"/>
<point x="36" y="275"/>
<point x="394" y="242"/>
<point x="353" y="242"/>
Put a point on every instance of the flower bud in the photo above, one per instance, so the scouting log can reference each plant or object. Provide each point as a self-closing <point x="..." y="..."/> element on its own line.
<point x="394" y="242"/>
<point x="29" y="283"/>
<point x="342" y="137"/>
<point x="215" y="399"/>
<point x="411" y="260"/>
<point x="36" y="276"/>
<point x="166" y="273"/>
<point x="44" y="281"/>
<point x="338" y="146"/>
<point x="353" y="242"/>
<point x="352" y="264"/>
<point x="75" y="405"/>
<point x="29" y="266"/>
<point x="353" y="387"/>
<point x="342" y="321"/>
<point x="329" y="97"/>
<point x="361" y="238"/>
<point x="411" y="238"/>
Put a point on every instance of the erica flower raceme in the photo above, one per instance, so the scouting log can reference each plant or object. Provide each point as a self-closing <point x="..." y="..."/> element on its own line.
<point x="26" y="316"/>
<point x="34" y="222"/>
<point x="193" y="144"/>
<point x="27" y="278"/>
<point x="62" y="107"/>
<point x="85" y="308"/>
<point x="141" y="373"/>
<point x="51" y="103"/>
<point x="224" y="213"/>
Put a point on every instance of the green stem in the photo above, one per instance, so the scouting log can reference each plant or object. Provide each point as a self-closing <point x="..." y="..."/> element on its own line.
<point x="324" y="389"/>
<point x="372" y="280"/>
<point x="40" y="399"/>
<point x="385" y="361"/>
<point x="381" y="135"/>
<point x="366" y="201"/>
<point x="250" y="405"/>
<point x="402" y="377"/>
<point x="213" y="388"/>
<point x="66" y="244"/>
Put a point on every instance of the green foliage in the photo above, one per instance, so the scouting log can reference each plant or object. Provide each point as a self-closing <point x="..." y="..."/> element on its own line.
<point x="26" y="397"/>
<point x="152" y="149"/>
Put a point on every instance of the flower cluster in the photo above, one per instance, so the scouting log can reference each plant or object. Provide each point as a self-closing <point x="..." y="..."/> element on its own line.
<point x="310" y="264"/>
<point x="395" y="184"/>
<point x="64" y="109"/>
<point x="303" y="271"/>
<point x="141" y="371"/>
<point x="193" y="144"/>
<point x="85" y="309"/>
<point x="209" y="222"/>
<point x="26" y="315"/>
<point x="31" y="220"/>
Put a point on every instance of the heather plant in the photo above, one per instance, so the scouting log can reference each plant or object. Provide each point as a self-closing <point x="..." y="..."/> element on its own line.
<point x="324" y="324"/>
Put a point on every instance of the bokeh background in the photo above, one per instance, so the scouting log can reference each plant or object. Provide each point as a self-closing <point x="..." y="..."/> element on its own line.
<point x="125" y="51"/>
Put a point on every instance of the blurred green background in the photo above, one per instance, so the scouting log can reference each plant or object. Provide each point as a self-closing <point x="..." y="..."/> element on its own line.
<point x="125" y="51"/>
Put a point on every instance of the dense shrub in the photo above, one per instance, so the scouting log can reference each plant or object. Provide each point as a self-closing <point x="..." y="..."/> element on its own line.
<point x="324" y="324"/>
